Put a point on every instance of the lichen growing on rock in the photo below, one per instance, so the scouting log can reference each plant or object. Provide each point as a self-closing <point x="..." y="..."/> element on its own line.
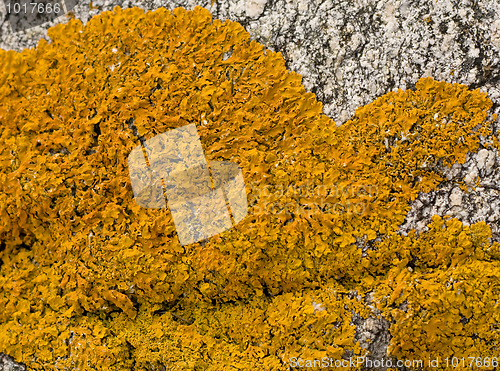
<point x="451" y="295"/>
<point x="91" y="280"/>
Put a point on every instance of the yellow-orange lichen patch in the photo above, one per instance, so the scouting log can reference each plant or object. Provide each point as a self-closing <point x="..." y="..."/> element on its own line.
<point x="91" y="280"/>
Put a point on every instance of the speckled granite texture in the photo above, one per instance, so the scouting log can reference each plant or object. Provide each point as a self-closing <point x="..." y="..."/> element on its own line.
<point x="350" y="52"/>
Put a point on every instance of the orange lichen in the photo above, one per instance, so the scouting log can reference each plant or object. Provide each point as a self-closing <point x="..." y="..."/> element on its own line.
<point x="450" y="296"/>
<point x="91" y="280"/>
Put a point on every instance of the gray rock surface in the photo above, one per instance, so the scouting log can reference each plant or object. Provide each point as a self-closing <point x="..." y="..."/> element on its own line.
<point x="8" y="364"/>
<point x="351" y="51"/>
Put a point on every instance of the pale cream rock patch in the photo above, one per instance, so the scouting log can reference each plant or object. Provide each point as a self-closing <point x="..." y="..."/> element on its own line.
<point x="495" y="33"/>
<point x="456" y="197"/>
<point x="254" y="8"/>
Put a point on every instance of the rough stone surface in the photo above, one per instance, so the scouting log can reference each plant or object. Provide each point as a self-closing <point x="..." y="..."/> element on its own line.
<point x="482" y="203"/>
<point x="351" y="51"/>
<point x="8" y="364"/>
